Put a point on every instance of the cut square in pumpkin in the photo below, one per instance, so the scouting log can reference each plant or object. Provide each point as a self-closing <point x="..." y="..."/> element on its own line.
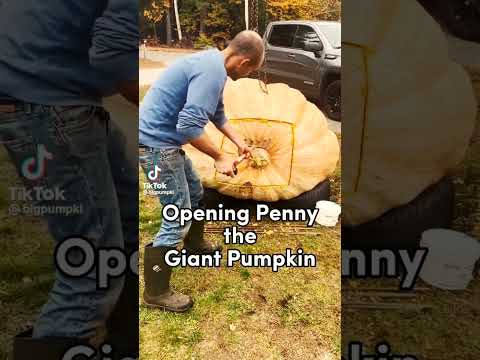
<point x="271" y="162"/>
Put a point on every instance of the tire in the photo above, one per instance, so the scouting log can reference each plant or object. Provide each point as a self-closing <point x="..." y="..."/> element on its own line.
<point x="459" y="18"/>
<point x="331" y="100"/>
<point x="212" y="198"/>
<point x="402" y="227"/>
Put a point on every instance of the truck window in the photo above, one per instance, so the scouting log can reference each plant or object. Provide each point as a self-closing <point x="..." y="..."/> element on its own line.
<point x="305" y="34"/>
<point x="282" y="35"/>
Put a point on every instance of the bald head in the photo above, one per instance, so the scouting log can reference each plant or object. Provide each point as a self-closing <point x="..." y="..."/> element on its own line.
<point x="248" y="44"/>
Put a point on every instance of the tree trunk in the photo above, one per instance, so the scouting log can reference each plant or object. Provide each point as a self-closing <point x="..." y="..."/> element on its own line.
<point x="168" y="25"/>
<point x="177" y="20"/>
<point x="247" y="21"/>
<point x="262" y="17"/>
<point x="203" y="16"/>
<point x="253" y="15"/>
<point x="155" y="35"/>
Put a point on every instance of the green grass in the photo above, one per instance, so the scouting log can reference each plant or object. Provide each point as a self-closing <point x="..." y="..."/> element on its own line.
<point x="450" y="327"/>
<point x="25" y="265"/>
<point x="250" y="313"/>
<point x="143" y="91"/>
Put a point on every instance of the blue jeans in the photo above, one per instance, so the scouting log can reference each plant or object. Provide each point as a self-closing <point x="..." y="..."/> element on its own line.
<point x="86" y="163"/>
<point x="177" y="183"/>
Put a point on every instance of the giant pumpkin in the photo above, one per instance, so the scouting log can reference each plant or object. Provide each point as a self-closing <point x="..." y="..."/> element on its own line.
<point x="409" y="109"/>
<point x="293" y="149"/>
<point x="468" y="55"/>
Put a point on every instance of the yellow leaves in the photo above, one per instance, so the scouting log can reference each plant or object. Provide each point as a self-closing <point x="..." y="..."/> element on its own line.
<point x="220" y="15"/>
<point x="304" y="9"/>
<point x="155" y="11"/>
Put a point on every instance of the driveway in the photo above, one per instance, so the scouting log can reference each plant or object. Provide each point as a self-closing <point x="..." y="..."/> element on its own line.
<point x="166" y="56"/>
<point x="148" y="76"/>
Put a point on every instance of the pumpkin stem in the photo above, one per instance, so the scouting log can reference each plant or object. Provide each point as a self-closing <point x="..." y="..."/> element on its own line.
<point x="260" y="158"/>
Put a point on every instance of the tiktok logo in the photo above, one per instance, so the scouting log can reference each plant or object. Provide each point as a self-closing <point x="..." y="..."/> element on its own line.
<point x="153" y="174"/>
<point x="34" y="168"/>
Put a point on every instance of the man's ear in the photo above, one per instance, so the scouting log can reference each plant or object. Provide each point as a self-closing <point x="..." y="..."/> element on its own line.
<point x="245" y="62"/>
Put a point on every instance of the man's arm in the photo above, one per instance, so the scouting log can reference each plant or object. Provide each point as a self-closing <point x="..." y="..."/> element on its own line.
<point x="223" y="163"/>
<point x="205" y="88"/>
<point x="230" y="132"/>
<point x="220" y="121"/>
<point x="114" y="49"/>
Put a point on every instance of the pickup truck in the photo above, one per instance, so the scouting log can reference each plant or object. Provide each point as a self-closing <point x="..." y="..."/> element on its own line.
<point x="306" y="55"/>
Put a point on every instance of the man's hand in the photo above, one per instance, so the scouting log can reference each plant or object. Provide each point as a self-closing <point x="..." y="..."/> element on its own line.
<point x="244" y="149"/>
<point x="225" y="165"/>
<point x="236" y="138"/>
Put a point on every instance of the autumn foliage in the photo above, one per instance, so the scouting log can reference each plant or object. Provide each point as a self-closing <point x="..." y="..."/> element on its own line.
<point x="206" y="23"/>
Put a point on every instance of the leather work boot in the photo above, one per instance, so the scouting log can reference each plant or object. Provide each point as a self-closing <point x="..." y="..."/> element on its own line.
<point x="122" y="325"/>
<point x="157" y="275"/>
<point x="195" y="242"/>
<point x="26" y="348"/>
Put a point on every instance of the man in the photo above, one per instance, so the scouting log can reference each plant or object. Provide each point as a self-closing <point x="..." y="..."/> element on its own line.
<point x="58" y="60"/>
<point x="174" y="112"/>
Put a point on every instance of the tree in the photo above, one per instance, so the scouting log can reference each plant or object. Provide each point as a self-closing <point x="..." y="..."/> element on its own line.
<point x="209" y="23"/>
<point x="177" y="20"/>
<point x="247" y="20"/>
<point x="153" y="13"/>
<point x="168" y="25"/>
<point x="304" y="9"/>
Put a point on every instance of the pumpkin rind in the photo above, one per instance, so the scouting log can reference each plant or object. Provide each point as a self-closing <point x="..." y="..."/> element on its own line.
<point x="293" y="148"/>
<point x="410" y="124"/>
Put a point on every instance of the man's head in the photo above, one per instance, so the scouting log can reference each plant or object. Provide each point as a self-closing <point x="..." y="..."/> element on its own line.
<point x="244" y="54"/>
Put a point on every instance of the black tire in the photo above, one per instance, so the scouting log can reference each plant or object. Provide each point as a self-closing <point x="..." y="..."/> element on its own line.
<point x="331" y="101"/>
<point x="460" y="18"/>
<point x="402" y="227"/>
<point x="212" y="198"/>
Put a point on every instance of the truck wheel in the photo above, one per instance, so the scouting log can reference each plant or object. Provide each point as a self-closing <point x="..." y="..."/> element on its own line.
<point x="332" y="100"/>
<point x="307" y="200"/>
<point x="402" y="227"/>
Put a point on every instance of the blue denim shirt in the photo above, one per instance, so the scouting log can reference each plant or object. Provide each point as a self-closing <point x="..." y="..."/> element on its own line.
<point x="183" y="99"/>
<point x="67" y="52"/>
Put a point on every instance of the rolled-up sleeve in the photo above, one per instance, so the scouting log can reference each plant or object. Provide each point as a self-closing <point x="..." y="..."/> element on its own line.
<point x="115" y="38"/>
<point x="204" y="91"/>
<point x="219" y="119"/>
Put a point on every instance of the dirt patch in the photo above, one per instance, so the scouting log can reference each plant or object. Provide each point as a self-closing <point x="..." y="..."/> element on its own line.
<point x="149" y="64"/>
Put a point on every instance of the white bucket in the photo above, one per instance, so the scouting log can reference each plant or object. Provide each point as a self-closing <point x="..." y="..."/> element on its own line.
<point x="451" y="259"/>
<point x="328" y="213"/>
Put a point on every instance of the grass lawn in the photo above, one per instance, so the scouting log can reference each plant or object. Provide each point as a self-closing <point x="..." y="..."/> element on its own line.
<point x="26" y="265"/>
<point x="449" y="327"/>
<point x="250" y="313"/>
<point x="143" y="91"/>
